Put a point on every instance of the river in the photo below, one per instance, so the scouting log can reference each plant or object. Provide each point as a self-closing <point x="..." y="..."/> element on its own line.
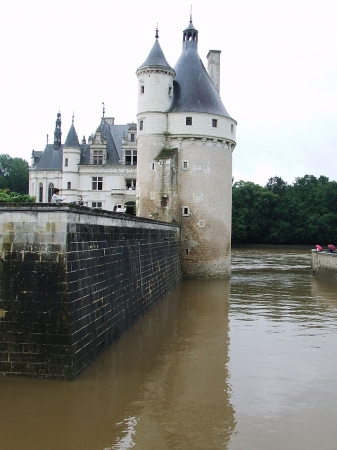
<point x="247" y="363"/>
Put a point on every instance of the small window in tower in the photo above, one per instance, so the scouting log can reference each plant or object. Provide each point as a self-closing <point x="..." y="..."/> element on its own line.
<point x="188" y="120"/>
<point x="232" y="128"/>
<point x="141" y="125"/>
<point x="214" y="123"/>
<point x="132" y="137"/>
<point x="170" y="90"/>
<point x="164" y="202"/>
<point x="142" y="89"/>
<point x="186" y="211"/>
<point x="69" y="185"/>
<point x="186" y="251"/>
<point x="153" y="167"/>
<point x="66" y="162"/>
<point x="185" y="165"/>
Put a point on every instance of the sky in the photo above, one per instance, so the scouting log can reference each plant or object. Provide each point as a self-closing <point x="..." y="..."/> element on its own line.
<point x="278" y="73"/>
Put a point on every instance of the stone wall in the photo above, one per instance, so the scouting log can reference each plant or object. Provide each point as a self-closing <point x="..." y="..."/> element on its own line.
<point x="73" y="280"/>
<point x="324" y="266"/>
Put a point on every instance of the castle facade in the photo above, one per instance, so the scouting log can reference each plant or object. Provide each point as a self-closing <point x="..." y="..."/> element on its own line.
<point x="176" y="163"/>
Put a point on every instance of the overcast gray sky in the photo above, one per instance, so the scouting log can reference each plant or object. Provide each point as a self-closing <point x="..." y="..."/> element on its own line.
<point x="278" y="73"/>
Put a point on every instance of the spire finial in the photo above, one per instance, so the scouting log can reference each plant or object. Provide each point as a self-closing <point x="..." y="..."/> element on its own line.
<point x="191" y="15"/>
<point x="57" y="132"/>
<point x="157" y="35"/>
<point x="103" y="110"/>
<point x="72" y="119"/>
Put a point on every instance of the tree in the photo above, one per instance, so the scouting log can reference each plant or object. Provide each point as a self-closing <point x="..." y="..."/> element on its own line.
<point x="252" y="209"/>
<point x="14" y="174"/>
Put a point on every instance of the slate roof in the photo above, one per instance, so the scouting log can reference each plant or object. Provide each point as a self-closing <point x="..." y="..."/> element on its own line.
<point x="50" y="159"/>
<point x="112" y="154"/>
<point x="117" y="132"/>
<point x="72" y="138"/>
<point x="167" y="153"/>
<point x="155" y="58"/>
<point x="193" y="89"/>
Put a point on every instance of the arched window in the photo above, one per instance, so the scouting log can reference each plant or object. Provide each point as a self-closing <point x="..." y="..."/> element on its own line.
<point x="41" y="193"/>
<point x="50" y="191"/>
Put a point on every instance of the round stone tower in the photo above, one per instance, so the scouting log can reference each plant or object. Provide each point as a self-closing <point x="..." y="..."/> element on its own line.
<point x="155" y="90"/>
<point x="192" y="162"/>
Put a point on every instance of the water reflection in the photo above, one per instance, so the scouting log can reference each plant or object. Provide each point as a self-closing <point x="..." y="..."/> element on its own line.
<point x="200" y="372"/>
<point x="162" y="386"/>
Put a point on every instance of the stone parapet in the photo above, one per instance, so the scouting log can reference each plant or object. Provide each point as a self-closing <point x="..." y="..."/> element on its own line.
<point x="73" y="280"/>
<point x="324" y="266"/>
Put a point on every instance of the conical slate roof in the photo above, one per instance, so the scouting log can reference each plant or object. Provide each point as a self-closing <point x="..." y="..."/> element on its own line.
<point x="193" y="89"/>
<point x="72" y="139"/>
<point x="156" y="58"/>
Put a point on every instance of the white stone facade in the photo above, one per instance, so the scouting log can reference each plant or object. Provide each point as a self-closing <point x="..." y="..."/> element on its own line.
<point x="93" y="180"/>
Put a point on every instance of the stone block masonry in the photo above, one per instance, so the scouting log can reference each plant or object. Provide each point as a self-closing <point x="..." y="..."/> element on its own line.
<point x="324" y="266"/>
<point x="73" y="280"/>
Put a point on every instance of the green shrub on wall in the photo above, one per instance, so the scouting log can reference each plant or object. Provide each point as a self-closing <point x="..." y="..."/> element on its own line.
<point x="13" y="197"/>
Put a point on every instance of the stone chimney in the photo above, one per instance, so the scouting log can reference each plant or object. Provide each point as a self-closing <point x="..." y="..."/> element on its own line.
<point x="213" y="67"/>
<point x="110" y="120"/>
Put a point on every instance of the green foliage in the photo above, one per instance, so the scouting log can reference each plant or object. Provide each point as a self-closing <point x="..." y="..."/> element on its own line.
<point x="14" y="197"/>
<point x="14" y="174"/>
<point x="302" y="213"/>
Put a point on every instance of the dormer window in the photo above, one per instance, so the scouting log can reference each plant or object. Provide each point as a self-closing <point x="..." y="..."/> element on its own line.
<point x="132" y="137"/>
<point x="98" y="157"/>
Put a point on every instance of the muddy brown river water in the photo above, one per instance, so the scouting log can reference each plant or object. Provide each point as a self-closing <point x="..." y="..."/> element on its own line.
<point x="247" y="363"/>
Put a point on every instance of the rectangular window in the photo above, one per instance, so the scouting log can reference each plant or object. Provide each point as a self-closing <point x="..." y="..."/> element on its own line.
<point x="186" y="211"/>
<point x="66" y="162"/>
<point x="188" y="120"/>
<point x="130" y="184"/>
<point x="69" y="185"/>
<point x="96" y="205"/>
<point x="132" y="137"/>
<point x="142" y="89"/>
<point x="185" y="165"/>
<point x="232" y="128"/>
<point x="214" y="123"/>
<point x="98" y="157"/>
<point x="130" y="157"/>
<point x="97" y="183"/>
<point x="141" y="125"/>
<point x="170" y="90"/>
<point x="164" y="202"/>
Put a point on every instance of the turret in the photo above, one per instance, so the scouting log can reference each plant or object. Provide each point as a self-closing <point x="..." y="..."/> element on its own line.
<point x="71" y="160"/>
<point x="155" y="77"/>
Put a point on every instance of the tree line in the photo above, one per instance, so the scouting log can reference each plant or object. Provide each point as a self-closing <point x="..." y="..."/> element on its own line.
<point x="304" y="212"/>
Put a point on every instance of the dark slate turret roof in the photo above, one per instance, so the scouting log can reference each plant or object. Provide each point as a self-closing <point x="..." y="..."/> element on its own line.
<point x="193" y="89"/>
<point x="50" y="159"/>
<point x="72" y="138"/>
<point x="156" y="58"/>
